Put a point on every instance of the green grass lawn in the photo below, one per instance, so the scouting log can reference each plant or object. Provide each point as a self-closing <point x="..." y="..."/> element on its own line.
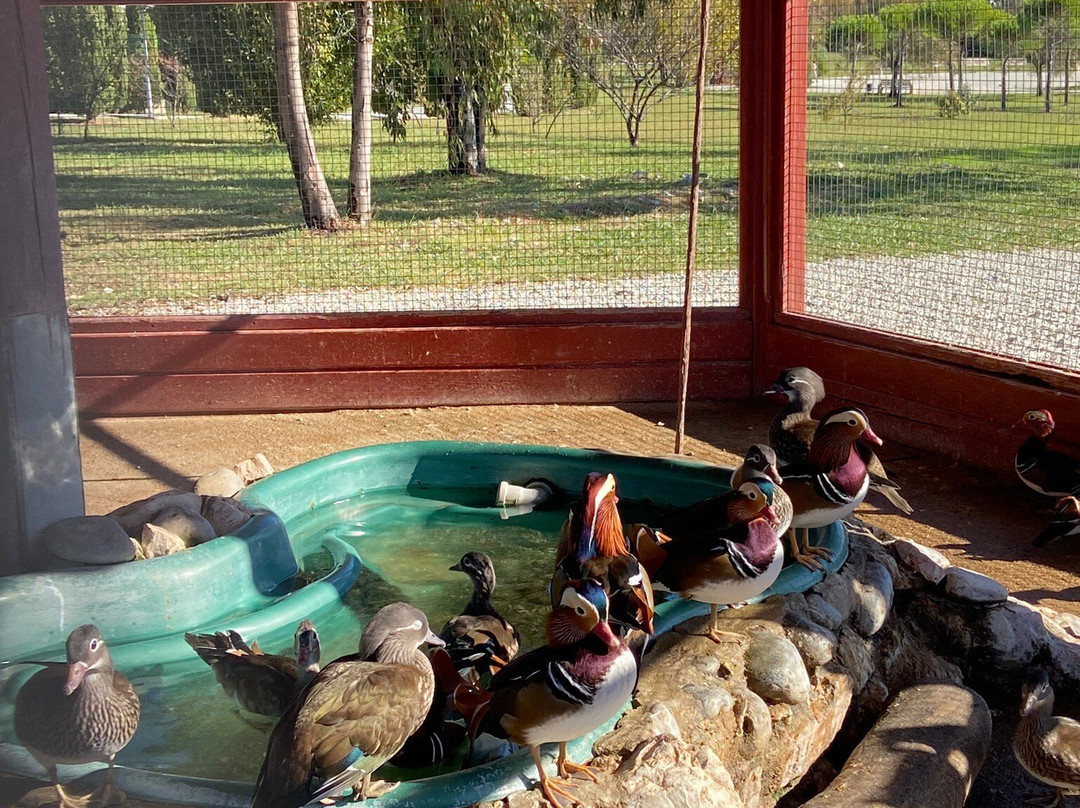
<point x="154" y="212"/>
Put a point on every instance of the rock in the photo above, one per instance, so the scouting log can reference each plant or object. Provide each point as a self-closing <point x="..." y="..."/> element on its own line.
<point x="973" y="586"/>
<point x="924" y="751"/>
<point x="873" y="598"/>
<point x="816" y="644"/>
<point x="822" y="612"/>
<point x="851" y="653"/>
<point x="252" y="469"/>
<point x="89" y="540"/>
<point x="227" y="515"/>
<point x="663" y="722"/>
<point x="132" y="517"/>
<point x="775" y="670"/>
<point x="711" y="699"/>
<point x="1016" y="634"/>
<point x="191" y="527"/>
<point x="753" y="720"/>
<point x="836" y="591"/>
<point x="220" y="483"/>
<point x="928" y="562"/>
<point x="158" y="541"/>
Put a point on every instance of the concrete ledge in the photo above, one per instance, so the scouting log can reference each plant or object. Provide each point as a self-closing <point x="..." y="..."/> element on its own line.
<point x="924" y="752"/>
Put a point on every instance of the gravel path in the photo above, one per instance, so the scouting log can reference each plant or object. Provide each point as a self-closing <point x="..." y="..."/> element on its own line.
<point x="1022" y="304"/>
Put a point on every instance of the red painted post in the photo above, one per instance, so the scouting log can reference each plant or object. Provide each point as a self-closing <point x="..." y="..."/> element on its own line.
<point x="796" y="66"/>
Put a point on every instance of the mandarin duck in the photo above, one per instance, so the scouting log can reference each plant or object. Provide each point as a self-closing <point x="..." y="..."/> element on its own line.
<point x="728" y="560"/>
<point x="592" y="545"/>
<point x="832" y="481"/>
<point x="1047" y="746"/>
<point x="355" y="715"/>
<point x="1065" y="522"/>
<point x="760" y="463"/>
<point x="76" y="712"/>
<point x="560" y="691"/>
<point x="257" y="682"/>
<point x="480" y="638"/>
<point x="792" y="431"/>
<point x="436" y="738"/>
<point x="1042" y="469"/>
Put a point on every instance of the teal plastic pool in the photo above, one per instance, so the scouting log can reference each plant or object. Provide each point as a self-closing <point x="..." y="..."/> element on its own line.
<point x="336" y="539"/>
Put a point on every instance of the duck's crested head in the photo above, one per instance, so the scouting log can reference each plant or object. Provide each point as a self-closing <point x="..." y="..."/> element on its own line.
<point x="306" y="644"/>
<point x="753" y="499"/>
<point x="1039" y="422"/>
<point x="1036" y="695"/>
<point x="86" y="653"/>
<point x="799" y="384"/>
<point x="760" y="460"/>
<point x="480" y="569"/>
<point x="601" y="530"/>
<point x="851" y="424"/>
<point x="395" y="632"/>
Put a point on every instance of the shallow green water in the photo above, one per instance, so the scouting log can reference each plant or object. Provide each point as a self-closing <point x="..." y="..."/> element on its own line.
<point x="408" y="544"/>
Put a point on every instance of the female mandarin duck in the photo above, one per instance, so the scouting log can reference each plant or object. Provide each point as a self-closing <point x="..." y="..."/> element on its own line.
<point x="78" y="712"/>
<point x="353" y="716"/>
<point x="792" y="430"/>
<point x="1047" y="746"/>
<point x="480" y="638"/>
<point x="592" y="545"/>
<point x="556" y="693"/>
<point x="257" y="682"/>
<point x="832" y="482"/>
<point x="1065" y="522"/>
<point x="730" y="559"/>
<point x="1041" y="468"/>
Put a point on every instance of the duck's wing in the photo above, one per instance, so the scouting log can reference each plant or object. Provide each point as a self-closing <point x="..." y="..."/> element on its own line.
<point x="259" y="683"/>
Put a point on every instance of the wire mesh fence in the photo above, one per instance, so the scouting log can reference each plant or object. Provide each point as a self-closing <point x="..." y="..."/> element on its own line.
<point x="944" y="173"/>
<point x="525" y="154"/>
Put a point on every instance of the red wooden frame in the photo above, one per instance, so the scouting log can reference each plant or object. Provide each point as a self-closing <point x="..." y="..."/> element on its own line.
<point x="956" y="401"/>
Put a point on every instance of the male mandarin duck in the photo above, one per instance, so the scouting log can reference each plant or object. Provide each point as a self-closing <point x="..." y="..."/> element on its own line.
<point x="257" y="682"/>
<point x="592" y="545"/>
<point x="792" y="430"/>
<point x="77" y="712"/>
<point x="714" y="563"/>
<point x="832" y="481"/>
<point x="1047" y="746"/>
<point x="760" y="463"/>
<point x="355" y="715"/>
<point x="1065" y="522"/>
<point x="556" y="693"/>
<point x="480" y="638"/>
<point x="1042" y="469"/>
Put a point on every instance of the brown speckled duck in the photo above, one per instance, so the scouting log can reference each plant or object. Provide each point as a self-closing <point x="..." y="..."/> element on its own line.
<point x="76" y="712"/>
<point x="257" y="682"/>
<point x="353" y="717"/>
<point x="1047" y="745"/>
<point x="480" y="638"/>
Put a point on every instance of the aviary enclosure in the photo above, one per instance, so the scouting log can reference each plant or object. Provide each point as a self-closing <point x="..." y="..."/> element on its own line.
<point x="888" y="193"/>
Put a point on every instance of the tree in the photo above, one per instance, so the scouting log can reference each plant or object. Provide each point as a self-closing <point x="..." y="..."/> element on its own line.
<point x="855" y="35"/>
<point x="901" y="22"/>
<point x="639" y="52"/>
<point x="1056" y="24"/>
<point x="359" y="205"/>
<point x="959" y="22"/>
<point x="1004" y="41"/>
<point x="86" y="56"/>
<point x="315" y="200"/>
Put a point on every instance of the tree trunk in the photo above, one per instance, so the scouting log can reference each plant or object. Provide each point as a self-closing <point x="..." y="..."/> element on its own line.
<point x="1004" y="85"/>
<point x="480" y="112"/>
<point x="454" y="98"/>
<point x="1038" y="79"/>
<point x="359" y="205"/>
<point x="467" y="115"/>
<point x="633" y="127"/>
<point x="952" y="70"/>
<point x="1068" y="70"/>
<point x="315" y="200"/>
<point x="960" y="66"/>
<point x="1048" y="102"/>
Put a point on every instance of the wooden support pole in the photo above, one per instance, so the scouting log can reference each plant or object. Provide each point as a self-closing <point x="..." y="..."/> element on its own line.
<point x="40" y="471"/>
<point x="691" y="236"/>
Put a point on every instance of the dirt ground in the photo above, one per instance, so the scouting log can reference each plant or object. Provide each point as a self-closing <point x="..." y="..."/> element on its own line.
<point x="979" y="519"/>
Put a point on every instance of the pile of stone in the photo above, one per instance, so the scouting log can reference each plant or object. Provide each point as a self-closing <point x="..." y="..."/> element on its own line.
<point x="739" y="724"/>
<point x="166" y="523"/>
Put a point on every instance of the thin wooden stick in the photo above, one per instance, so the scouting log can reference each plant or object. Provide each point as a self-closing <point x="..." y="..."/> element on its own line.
<point x="691" y="237"/>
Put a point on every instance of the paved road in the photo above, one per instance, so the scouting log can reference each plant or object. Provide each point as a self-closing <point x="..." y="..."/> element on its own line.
<point x="982" y="82"/>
